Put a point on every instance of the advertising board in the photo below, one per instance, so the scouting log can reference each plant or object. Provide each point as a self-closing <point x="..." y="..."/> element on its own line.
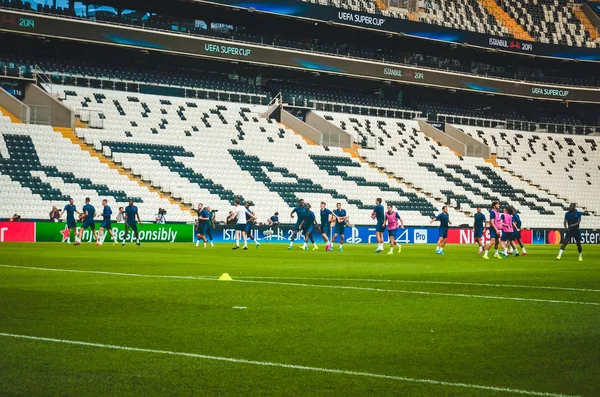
<point x="81" y="30"/>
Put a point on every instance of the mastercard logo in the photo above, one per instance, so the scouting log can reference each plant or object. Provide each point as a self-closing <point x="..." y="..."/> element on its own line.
<point x="554" y="237"/>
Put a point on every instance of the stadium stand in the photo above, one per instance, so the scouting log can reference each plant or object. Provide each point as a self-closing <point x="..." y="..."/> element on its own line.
<point x="565" y="165"/>
<point x="546" y="21"/>
<point x="399" y="147"/>
<point x="212" y="152"/>
<point x="464" y="14"/>
<point x="550" y="21"/>
<point x="40" y="167"/>
<point x="450" y="14"/>
<point x="215" y="146"/>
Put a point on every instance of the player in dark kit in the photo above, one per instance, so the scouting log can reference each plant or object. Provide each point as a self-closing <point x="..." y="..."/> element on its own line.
<point x="202" y="224"/>
<point x="307" y="226"/>
<point x="341" y="216"/>
<point x="479" y="229"/>
<point x="131" y="215"/>
<point x="70" y="209"/>
<point x="379" y="214"/>
<point x="518" y="223"/>
<point x="250" y="223"/>
<point x="209" y="225"/>
<point x="495" y="231"/>
<point x="572" y="222"/>
<point x="89" y="213"/>
<point x="445" y="223"/>
<point x="106" y="223"/>
<point x="325" y="225"/>
<point x="300" y="211"/>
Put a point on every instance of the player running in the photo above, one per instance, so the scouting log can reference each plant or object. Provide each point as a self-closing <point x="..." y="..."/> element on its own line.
<point x="132" y="216"/>
<point x="70" y="209"/>
<point x="325" y="227"/>
<point x="307" y="226"/>
<point x="391" y="220"/>
<point x="89" y="213"/>
<point x="444" y="219"/>
<point x="202" y="224"/>
<point x="250" y="223"/>
<point x="341" y="216"/>
<point x="571" y="223"/>
<point x="507" y="232"/>
<point x="240" y="214"/>
<point x="479" y="229"/>
<point x="495" y="231"/>
<point x="517" y="223"/>
<point x="300" y="210"/>
<point x="209" y="225"/>
<point x="379" y="214"/>
<point x="106" y="223"/>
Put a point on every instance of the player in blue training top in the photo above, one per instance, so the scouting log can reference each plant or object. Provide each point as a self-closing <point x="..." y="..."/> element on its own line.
<point x="300" y="211"/>
<point x="273" y="222"/>
<point x="495" y="228"/>
<point x="340" y="223"/>
<point x="209" y="225"/>
<point x="479" y="229"/>
<point x="307" y="226"/>
<point x="89" y="213"/>
<point x="325" y="227"/>
<point x="106" y="223"/>
<point x="250" y="223"/>
<point x="201" y="224"/>
<point x="572" y="222"/>
<point x="379" y="214"/>
<point x="444" y="220"/>
<point x="517" y="223"/>
<point x="70" y="209"/>
<point x="131" y="215"/>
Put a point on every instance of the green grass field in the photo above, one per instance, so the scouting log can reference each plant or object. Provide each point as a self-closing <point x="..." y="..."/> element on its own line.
<point x="296" y="323"/>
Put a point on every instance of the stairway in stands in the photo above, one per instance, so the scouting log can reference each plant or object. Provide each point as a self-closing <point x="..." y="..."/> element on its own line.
<point x="585" y="21"/>
<point x="70" y="134"/>
<point x="505" y="20"/>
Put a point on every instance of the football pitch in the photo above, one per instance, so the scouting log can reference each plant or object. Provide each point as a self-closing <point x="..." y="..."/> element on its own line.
<point x="156" y="321"/>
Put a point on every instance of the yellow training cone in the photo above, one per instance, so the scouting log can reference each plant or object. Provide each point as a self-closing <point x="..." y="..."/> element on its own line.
<point x="225" y="277"/>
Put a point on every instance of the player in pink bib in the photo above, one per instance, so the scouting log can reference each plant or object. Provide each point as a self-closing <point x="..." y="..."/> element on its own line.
<point x="508" y="231"/>
<point x="495" y="230"/>
<point x="392" y="219"/>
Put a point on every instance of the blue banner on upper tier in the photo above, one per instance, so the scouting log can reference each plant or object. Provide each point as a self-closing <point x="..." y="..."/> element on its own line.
<point x="294" y="8"/>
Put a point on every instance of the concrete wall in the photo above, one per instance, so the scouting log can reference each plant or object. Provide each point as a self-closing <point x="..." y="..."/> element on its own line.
<point x="474" y="147"/>
<point x="453" y="143"/>
<point x="272" y="112"/>
<point x="14" y="106"/>
<point x="591" y="14"/>
<point x="60" y="115"/>
<point x="331" y="132"/>
<point x="301" y="127"/>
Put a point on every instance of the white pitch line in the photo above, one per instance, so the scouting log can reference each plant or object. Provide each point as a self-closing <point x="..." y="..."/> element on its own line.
<point x="205" y="278"/>
<point x="290" y="366"/>
<point x="375" y="280"/>
<point x="421" y="292"/>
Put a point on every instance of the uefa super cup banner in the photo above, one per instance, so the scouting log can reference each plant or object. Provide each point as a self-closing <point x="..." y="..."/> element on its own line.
<point x="174" y="233"/>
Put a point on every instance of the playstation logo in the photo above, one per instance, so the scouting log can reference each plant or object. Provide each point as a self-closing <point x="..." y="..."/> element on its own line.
<point x="355" y="237"/>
